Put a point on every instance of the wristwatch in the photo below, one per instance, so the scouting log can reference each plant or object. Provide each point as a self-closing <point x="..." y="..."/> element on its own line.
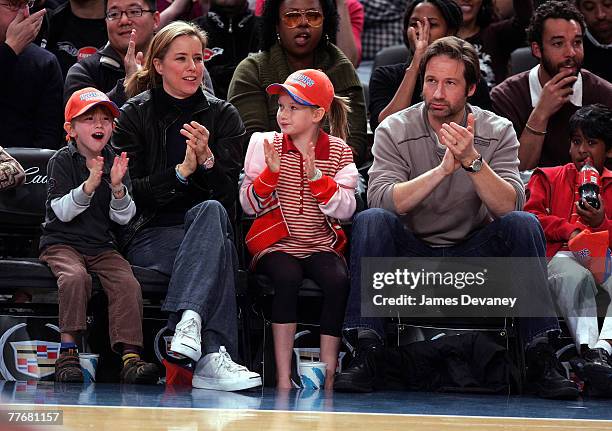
<point x="475" y="166"/>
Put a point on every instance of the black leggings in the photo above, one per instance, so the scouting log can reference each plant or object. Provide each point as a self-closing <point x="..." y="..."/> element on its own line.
<point x="287" y="272"/>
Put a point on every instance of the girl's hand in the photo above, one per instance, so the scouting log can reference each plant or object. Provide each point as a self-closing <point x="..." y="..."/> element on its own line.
<point x="120" y="167"/>
<point x="309" y="161"/>
<point x="272" y="157"/>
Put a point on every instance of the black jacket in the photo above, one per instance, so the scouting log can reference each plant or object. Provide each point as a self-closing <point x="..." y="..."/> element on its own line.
<point x="103" y="70"/>
<point x="230" y="40"/>
<point x="141" y="132"/>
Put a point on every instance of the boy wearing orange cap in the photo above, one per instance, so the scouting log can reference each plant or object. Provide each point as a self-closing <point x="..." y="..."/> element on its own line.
<point x="88" y="193"/>
<point x="573" y="231"/>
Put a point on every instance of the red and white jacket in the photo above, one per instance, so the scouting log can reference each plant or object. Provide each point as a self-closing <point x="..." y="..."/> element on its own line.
<point x="551" y="199"/>
<point x="289" y="208"/>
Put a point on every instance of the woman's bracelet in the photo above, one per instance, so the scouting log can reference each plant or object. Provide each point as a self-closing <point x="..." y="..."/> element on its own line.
<point x="534" y="131"/>
<point x="179" y="177"/>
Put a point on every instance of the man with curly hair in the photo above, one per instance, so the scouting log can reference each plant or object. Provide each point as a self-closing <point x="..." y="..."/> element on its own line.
<point x="540" y="102"/>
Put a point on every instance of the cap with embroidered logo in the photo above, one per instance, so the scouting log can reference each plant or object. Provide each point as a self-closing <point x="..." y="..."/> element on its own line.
<point x="307" y="87"/>
<point x="83" y="100"/>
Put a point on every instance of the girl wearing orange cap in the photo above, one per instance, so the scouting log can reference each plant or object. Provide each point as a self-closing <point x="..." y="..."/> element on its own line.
<point x="299" y="183"/>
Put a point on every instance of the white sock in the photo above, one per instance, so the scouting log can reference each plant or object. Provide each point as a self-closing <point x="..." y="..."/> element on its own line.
<point x="190" y="314"/>
<point x="603" y="344"/>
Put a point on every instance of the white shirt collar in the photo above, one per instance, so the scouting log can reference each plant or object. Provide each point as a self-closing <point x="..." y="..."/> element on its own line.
<point x="536" y="89"/>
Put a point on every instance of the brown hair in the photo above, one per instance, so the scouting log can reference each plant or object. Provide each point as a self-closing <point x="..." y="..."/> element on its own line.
<point x="338" y="117"/>
<point x="457" y="49"/>
<point x="148" y="78"/>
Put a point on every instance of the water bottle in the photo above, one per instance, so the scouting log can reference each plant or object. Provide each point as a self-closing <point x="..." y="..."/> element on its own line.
<point x="588" y="185"/>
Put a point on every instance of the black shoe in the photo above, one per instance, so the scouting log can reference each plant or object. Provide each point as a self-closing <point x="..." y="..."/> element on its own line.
<point x="137" y="371"/>
<point x="546" y="375"/>
<point x="596" y="370"/>
<point x="364" y="372"/>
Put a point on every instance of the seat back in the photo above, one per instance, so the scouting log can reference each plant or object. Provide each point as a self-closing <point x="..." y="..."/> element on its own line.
<point x="391" y="55"/>
<point x="521" y="60"/>
<point x="22" y="209"/>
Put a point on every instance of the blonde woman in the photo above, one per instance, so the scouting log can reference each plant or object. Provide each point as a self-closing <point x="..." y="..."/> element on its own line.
<point x="185" y="149"/>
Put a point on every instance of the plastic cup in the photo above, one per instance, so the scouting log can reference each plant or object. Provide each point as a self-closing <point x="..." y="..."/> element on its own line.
<point x="89" y="363"/>
<point x="313" y="374"/>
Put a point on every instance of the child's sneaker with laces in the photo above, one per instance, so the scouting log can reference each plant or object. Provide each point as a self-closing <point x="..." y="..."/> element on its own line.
<point x="137" y="371"/>
<point x="68" y="368"/>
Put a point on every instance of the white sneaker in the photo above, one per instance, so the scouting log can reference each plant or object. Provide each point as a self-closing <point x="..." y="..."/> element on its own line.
<point x="218" y="371"/>
<point x="187" y="340"/>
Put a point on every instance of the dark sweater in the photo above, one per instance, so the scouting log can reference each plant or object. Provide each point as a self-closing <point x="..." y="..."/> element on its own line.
<point x="385" y="81"/>
<point x="512" y="100"/>
<point x="30" y="98"/>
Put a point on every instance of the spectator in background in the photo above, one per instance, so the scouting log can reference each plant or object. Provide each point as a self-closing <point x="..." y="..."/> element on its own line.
<point x="30" y="81"/>
<point x="598" y="36"/>
<point x="297" y="34"/>
<point x="540" y="101"/>
<point x="494" y="40"/>
<point x="11" y="172"/>
<point x="382" y="26"/>
<point x="396" y="87"/>
<point x="76" y="30"/>
<point x="232" y="32"/>
<point x="130" y="25"/>
<point x="350" y="28"/>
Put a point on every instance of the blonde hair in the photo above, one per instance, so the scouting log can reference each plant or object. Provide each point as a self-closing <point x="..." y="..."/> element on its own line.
<point x="148" y="78"/>
<point x="338" y="117"/>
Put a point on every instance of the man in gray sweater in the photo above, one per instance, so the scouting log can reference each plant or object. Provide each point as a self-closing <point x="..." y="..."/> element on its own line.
<point x="445" y="182"/>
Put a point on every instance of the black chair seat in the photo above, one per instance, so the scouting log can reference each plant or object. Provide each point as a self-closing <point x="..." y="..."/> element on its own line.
<point x="32" y="273"/>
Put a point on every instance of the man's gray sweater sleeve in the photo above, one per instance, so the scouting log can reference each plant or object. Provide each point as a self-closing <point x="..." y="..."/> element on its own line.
<point x="505" y="162"/>
<point x="388" y="169"/>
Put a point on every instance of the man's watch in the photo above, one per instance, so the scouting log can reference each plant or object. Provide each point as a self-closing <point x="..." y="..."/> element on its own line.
<point x="475" y="166"/>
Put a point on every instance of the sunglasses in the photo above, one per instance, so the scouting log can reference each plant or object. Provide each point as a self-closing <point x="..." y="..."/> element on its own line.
<point x="294" y="18"/>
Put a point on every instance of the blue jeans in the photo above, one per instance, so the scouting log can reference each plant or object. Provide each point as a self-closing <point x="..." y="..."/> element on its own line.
<point x="380" y="233"/>
<point x="201" y="260"/>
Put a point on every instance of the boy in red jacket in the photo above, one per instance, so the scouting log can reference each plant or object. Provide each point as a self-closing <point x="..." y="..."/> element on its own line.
<point x="554" y="200"/>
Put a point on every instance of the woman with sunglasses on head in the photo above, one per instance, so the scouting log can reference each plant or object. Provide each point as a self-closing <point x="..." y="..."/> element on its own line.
<point x="297" y="34"/>
<point x="398" y="86"/>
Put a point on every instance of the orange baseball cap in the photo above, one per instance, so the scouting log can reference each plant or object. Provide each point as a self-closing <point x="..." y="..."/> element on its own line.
<point x="308" y="87"/>
<point x="83" y="100"/>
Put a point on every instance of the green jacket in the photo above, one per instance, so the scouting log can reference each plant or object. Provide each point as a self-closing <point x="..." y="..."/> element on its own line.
<point x="247" y="91"/>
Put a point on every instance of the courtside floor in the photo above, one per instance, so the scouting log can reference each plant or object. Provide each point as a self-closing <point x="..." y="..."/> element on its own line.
<point x="114" y="407"/>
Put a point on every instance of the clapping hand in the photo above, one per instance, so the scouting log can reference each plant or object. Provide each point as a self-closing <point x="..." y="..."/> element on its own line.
<point x="96" y="167"/>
